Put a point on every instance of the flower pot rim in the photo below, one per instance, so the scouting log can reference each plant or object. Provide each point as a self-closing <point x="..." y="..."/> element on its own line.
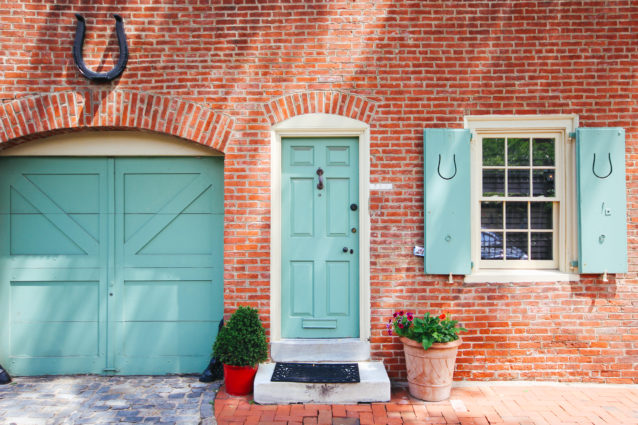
<point x="436" y="345"/>
<point x="241" y="367"/>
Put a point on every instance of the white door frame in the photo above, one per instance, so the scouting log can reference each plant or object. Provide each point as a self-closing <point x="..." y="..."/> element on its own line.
<point x="320" y="125"/>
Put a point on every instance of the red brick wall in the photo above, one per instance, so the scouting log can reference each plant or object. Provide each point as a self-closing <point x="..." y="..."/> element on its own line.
<point x="220" y="73"/>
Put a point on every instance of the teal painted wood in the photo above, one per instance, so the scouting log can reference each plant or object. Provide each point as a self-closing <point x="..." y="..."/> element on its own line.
<point x="320" y="282"/>
<point x="602" y="202"/>
<point x="447" y="201"/>
<point x="52" y="265"/>
<point x="75" y="230"/>
<point x="169" y="263"/>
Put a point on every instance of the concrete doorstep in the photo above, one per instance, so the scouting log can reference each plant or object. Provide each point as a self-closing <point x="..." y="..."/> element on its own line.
<point x="374" y="387"/>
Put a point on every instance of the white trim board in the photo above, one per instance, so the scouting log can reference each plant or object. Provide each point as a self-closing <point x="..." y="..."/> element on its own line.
<point x="320" y="125"/>
<point x="110" y="143"/>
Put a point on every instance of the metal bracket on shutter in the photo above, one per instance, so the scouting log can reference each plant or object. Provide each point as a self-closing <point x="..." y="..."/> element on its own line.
<point x="572" y="136"/>
<point x="611" y="167"/>
<point x="438" y="169"/>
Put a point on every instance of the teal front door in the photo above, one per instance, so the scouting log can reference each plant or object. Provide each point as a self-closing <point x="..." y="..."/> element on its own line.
<point x="110" y="265"/>
<point x="320" y="238"/>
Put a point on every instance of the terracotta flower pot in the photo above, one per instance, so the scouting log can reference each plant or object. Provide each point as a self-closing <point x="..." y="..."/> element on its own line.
<point x="430" y="371"/>
<point x="239" y="379"/>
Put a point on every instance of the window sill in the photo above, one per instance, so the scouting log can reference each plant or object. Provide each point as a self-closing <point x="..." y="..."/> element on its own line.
<point x="506" y="276"/>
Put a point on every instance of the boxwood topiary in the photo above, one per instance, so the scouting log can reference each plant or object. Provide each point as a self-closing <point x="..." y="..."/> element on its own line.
<point x="242" y="340"/>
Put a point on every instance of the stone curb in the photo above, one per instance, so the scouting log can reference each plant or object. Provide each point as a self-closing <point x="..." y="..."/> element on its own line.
<point x="206" y="407"/>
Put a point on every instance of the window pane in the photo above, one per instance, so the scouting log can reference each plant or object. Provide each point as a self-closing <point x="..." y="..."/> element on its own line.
<point x="493" y="182"/>
<point x="544" y="182"/>
<point x="491" y="245"/>
<point x="516" y="215"/>
<point x="541" y="215"/>
<point x="542" y="246"/>
<point x="493" y="152"/>
<point x="517" y="183"/>
<point x="516" y="246"/>
<point x="518" y="152"/>
<point x="491" y="215"/>
<point x="543" y="152"/>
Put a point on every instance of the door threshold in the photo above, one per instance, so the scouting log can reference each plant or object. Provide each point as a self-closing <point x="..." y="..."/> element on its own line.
<point x="320" y="350"/>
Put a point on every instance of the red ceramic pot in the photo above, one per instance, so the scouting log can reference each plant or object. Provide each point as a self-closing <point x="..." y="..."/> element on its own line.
<point x="239" y="379"/>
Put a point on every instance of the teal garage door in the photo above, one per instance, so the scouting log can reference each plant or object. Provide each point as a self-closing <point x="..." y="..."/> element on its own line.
<point x="110" y="265"/>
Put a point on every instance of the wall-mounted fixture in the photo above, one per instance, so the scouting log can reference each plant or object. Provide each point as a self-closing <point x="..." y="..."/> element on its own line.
<point x="100" y="77"/>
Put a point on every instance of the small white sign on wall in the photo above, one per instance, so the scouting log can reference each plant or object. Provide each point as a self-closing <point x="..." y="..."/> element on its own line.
<point x="380" y="186"/>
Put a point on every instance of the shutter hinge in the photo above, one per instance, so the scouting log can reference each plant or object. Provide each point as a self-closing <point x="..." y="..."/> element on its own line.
<point x="110" y="370"/>
<point x="573" y="265"/>
<point x="572" y="136"/>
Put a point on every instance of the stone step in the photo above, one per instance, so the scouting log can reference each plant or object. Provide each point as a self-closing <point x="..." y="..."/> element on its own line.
<point x="374" y="387"/>
<point x="320" y="350"/>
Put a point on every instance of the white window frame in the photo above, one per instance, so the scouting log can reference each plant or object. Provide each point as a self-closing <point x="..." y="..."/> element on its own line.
<point x="559" y="127"/>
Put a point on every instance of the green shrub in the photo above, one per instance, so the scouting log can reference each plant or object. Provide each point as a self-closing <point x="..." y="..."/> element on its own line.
<point x="242" y="340"/>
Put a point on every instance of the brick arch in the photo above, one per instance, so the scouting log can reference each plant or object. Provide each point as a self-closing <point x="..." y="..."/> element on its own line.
<point x="327" y="102"/>
<point x="47" y="114"/>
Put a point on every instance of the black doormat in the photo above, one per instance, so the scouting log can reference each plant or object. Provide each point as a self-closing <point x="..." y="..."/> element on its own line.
<point x="319" y="373"/>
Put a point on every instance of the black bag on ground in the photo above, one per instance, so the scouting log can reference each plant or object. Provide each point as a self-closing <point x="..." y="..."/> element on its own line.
<point x="215" y="368"/>
<point x="4" y="376"/>
<point x="213" y="372"/>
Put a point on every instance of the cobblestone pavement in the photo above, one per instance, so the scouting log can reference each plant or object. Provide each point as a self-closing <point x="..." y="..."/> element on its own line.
<point x="84" y="399"/>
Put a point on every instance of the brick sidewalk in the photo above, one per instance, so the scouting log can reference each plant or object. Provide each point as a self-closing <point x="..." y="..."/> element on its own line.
<point x="517" y="404"/>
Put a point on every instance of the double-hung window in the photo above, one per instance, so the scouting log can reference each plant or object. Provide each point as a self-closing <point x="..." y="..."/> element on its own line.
<point x="523" y="193"/>
<point x="519" y="199"/>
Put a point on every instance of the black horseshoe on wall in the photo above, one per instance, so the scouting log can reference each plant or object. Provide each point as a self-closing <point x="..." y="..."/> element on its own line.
<point x="78" y="43"/>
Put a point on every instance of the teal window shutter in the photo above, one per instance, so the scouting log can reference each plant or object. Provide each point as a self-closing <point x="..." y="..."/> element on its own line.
<point x="447" y="201"/>
<point x="602" y="203"/>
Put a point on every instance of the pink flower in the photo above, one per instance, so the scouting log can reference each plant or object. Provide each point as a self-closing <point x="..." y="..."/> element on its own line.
<point x="410" y="317"/>
<point x="400" y="325"/>
<point x="390" y="332"/>
<point x="395" y="314"/>
<point x="401" y="313"/>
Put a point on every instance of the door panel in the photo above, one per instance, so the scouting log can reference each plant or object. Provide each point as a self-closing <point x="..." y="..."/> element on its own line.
<point x="320" y="282"/>
<point x="169" y="252"/>
<point x="52" y="265"/>
<point x="110" y="264"/>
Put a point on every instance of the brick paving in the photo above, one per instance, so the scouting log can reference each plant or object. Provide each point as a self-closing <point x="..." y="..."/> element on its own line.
<point x="502" y="404"/>
<point x="88" y="399"/>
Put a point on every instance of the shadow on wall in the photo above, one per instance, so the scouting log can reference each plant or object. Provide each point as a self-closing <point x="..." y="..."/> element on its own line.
<point x="598" y="291"/>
